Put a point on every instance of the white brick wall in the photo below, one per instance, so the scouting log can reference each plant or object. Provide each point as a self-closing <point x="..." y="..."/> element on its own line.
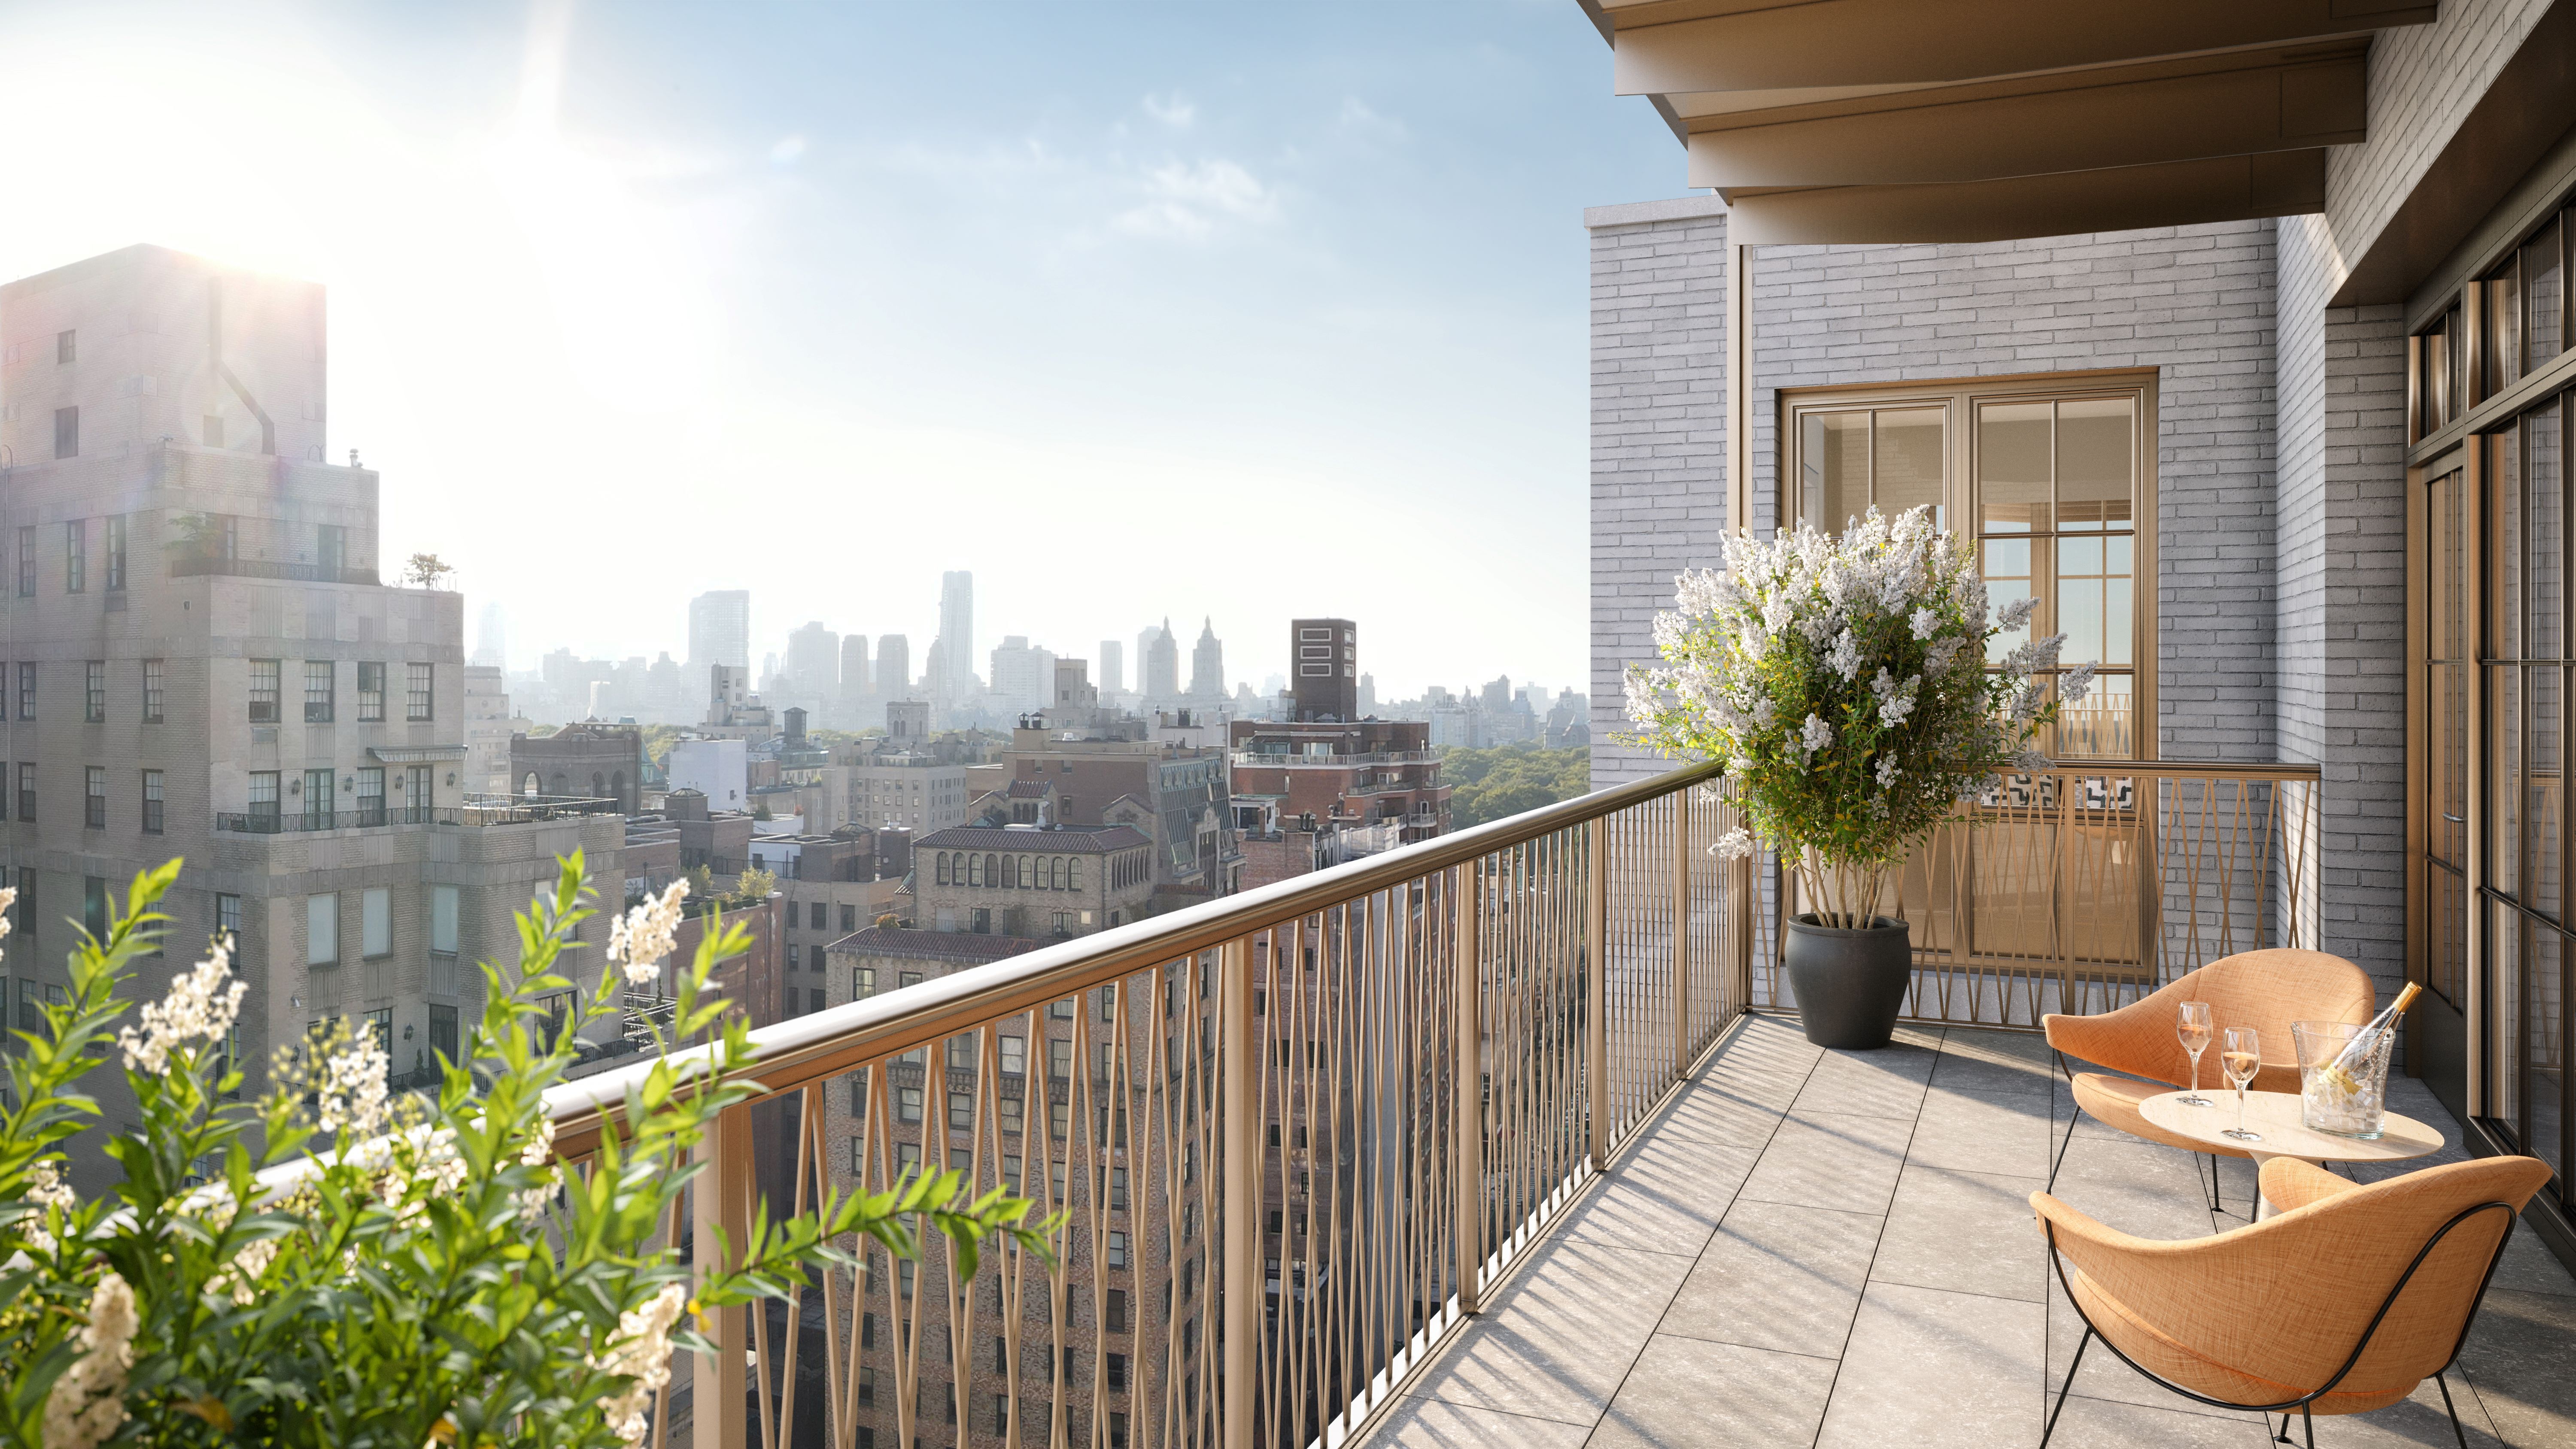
<point x="2193" y="303"/>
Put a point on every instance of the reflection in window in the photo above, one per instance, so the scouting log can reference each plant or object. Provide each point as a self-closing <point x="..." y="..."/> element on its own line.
<point x="2056" y="487"/>
<point x="1891" y="459"/>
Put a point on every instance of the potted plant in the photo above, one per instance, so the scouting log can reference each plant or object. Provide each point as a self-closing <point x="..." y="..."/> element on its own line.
<point x="1857" y="689"/>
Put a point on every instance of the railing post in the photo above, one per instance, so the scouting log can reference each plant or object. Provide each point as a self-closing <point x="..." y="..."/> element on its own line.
<point x="1596" y="989"/>
<point x="1468" y="1054"/>
<point x="1242" y="1278"/>
<point x="1681" y="929"/>
<point x="720" y="1199"/>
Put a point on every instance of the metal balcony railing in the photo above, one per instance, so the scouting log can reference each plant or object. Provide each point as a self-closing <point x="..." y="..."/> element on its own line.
<point x="196" y="565"/>
<point x="476" y="810"/>
<point x="1316" y="1123"/>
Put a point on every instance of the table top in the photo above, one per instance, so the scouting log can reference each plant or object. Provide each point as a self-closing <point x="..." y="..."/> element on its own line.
<point x="2276" y="1116"/>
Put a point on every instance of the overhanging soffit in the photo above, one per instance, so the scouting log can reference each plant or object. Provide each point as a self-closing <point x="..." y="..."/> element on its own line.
<point x="1944" y="120"/>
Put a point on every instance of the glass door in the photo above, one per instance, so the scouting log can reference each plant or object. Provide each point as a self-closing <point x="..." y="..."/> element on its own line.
<point x="2440" y="1022"/>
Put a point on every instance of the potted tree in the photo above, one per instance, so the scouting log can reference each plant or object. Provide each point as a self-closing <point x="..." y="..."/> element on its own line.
<point x="1857" y="689"/>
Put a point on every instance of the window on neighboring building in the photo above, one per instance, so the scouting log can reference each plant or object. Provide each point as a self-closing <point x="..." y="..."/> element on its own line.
<point x="442" y="919"/>
<point x="416" y="793"/>
<point x="2051" y="480"/>
<point x="318" y="803"/>
<point x="907" y="1104"/>
<point x="228" y="920"/>
<point x="322" y="930"/>
<point x="263" y="691"/>
<point x="264" y="799"/>
<point x="67" y="346"/>
<point x="27" y="793"/>
<point x="961" y="1111"/>
<point x="67" y="435"/>
<point x="152" y="802"/>
<point x="116" y="552"/>
<point x="376" y="922"/>
<point x="371" y="795"/>
<point x="27" y="561"/>
<point x="75" y="555"/>
<point x="156" y="676"/>
<point x="371" y="692"/>
<point x="94" y="797"/>
<point x="416" y="691"/>
<point x="1117" y="1253"/>
<point x="94" y="905"/>
<point x="94" y="692"/>
<point x="330" y="549"/>
<point x="317" y="691"/>
<point x="863" y="982"/>
<point x="26" y="691"/>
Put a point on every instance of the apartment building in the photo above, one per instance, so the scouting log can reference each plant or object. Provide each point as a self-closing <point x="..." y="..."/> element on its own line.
<point x="1025" y="881"/>
<point x="1113" y="770"/>
<point x="202" y="661"/>
<point x="487" y="729"/>
<point x="588" y="760"/>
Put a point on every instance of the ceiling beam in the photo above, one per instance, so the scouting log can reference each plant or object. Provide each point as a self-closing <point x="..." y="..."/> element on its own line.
<point x="2179" y="193"/>
<point x="1898" y="42"/>
<point x="2026" y="128"/>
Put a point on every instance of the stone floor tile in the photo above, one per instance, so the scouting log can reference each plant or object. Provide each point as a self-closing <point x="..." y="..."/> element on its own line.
<point x="2521" y="1358"/>
<point x="2419" y="1419"/>
<point x="1686" y="1393"/>
<point x="2102" y="1424"/>
<point x="1665" y="1197"/>
<point x="1848" y="1163"/>
<point x="2003" y="1133"/>
<point x="1559" y="1340"/>
<point x="1718" y="1111"/>
<point x="1777" y="1276"/>
<point x="1420" y="1423"/>
<point x="2141" y="1188"/>
<point x="1965" y="1232"/>
<point x="1994" y="1061"/>
<point x="1884" y="1083"/>
<point x="1931" y="1368"/>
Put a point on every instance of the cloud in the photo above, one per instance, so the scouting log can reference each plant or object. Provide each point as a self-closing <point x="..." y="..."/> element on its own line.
<point x="1188" y="200"/>
<point x="1174" y="111"/>
<point x="788" y="149"/>
<point x="1360" y="117"/>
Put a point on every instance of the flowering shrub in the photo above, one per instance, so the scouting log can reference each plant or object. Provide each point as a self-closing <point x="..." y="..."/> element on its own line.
<point x="431" y="1274"/>
<point x="1846" y="686"/>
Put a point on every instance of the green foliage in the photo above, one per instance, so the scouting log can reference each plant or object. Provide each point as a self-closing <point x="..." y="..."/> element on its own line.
<point x="329" y="1265"/>
<point x="658" y="739"/>
<point x="427" y="571"/>
<point x="1490" y="784"/>
<point x="1846" y="684"/>
<point x="754" y="885"/>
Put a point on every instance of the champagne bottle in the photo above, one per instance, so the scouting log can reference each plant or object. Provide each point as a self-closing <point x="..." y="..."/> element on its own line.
<point x="2339" y="1074"/>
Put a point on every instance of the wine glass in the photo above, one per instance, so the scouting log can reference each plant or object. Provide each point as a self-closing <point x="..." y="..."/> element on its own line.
<point x="2191" y="1028"/>
<point x="2240" y="1056"/>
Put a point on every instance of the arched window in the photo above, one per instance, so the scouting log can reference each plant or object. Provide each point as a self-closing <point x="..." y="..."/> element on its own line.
<point x="617" y="787"/>
<point x="975" y="870"/>
<point x="943" y="867"/>
<point x="529" y="786"/>
<point x="1055" y="874"/>
<point x="1073" y="874"/>
<point x="992" y="870"/>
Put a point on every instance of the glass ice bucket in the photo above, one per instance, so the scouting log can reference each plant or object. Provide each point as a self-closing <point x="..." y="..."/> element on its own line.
<point x="2344" y="1095"/>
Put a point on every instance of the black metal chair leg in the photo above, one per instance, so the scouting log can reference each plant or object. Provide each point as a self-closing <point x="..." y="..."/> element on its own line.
<point x="2284" y="1436"/>
<point x="2062" y="1388"/>
<point x="2452" y="1409"/>
<point x="2074" y="1114"/>
<point x="2308" y="1425"/>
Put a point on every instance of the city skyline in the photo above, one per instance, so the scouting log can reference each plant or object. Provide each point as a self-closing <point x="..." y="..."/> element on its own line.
<point x="1212" y="264"/>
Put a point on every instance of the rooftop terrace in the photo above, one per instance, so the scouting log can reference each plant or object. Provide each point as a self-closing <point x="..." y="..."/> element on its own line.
<point x="1836" y="1248"/>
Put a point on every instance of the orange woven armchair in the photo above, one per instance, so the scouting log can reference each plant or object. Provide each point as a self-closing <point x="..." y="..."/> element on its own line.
<point x="2340" y="1303"/>
<point x="2266" y="990"/>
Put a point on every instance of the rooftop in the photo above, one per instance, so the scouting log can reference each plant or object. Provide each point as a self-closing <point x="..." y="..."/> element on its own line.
<point x="1826" y="1247"/>
<point x="932" y="945"/>
<point x="1078" y="839"/>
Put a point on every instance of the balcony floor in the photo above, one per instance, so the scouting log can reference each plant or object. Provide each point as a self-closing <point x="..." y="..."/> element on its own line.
<point x="1836" y="1248"/>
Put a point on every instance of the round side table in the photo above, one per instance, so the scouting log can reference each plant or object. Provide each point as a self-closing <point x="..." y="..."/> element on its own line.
<point x="2276" y="1116"/>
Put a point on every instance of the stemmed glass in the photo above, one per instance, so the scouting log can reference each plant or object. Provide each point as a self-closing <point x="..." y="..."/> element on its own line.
<point x="2240" y="1056"/>
<point x="2191" y="1028"/>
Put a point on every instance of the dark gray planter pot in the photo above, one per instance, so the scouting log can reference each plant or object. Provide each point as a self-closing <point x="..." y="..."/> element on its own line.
<point x="1849" y="984"/>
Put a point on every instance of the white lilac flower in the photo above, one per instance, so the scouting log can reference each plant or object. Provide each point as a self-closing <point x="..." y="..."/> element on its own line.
<point x="46" y="1189"/>
<point x="200" y="1007"/>
<point x="352" y="1096"/>
<point x="642" y="1352"/>
<point x="1845" y="658"/>
<point x="646" y="934"/>
<point x="1764" y="712"/>
<point x="541" y="1144"/>
<point x="1733" y="845"/>
<point x="88" y="1401"/>
<point x="1937" y="658"/>
<point x="2075" y="683"/>
<point x="1816" y="734"/>
<point x="2031" y="761"/>
<point x="239" y="1277"/>
<point x="1887" y="772"/>
<point x="1893" y="709"/>
<point x="1925" y="623"/>
<point x="2018" y="612"/>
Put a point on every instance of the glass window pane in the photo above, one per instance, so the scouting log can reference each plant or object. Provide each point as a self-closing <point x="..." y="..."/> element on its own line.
<point x="2079" y="599"/>
<point x="2504" y="778"/>
<point x="2545" y="997"/>
<point x="2095" y="460"/>
<point x="2007" y="569"/>
<point x="2013" y="446"/>
<point x="1834" y="469"/>
<point x="2543" y="298"/>
<point x="2542" y="825"/>
<point x="2543" y="559"/>
<point x="2501" y="347"/>
<point x="2504" y="988"/>
<point x="2508" y="603"/>
<point x="2119" y="584"/>
<point x="1908" y="462"/>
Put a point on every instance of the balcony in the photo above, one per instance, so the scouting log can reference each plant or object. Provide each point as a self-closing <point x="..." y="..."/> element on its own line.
<point x="1501" y="1138"/>
<point x="200" y="566"/>
<point x="476" y="810"/>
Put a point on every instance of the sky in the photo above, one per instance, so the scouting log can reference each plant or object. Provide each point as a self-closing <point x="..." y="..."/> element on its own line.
<point x="1228" y="311"/>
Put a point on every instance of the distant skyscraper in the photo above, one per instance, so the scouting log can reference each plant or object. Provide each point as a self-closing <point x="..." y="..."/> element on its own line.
<point x="1162" y="665"/>
<point x="854" y="666"/>
<point x="894" y="667"/>
<point x="1207" y="664"/>
<point x="957" y="631"/>
<point x="492" y="638"/>
<point x="814" y="660"/>
<point x="720" y="628"/>
<point x="1325" y="654"/>
<point x="1113" y="667"/>
<point x="1023" y="675"/>
<point x="1368" y="696"/>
